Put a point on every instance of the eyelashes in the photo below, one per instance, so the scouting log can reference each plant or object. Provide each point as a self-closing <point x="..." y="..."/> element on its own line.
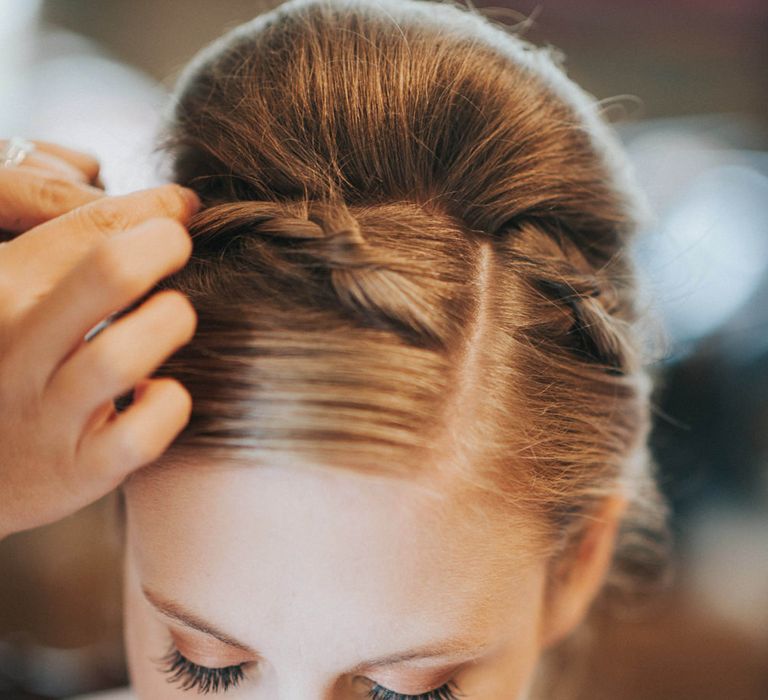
<point x="444" y="692"/>
<point x="191" y="676"/>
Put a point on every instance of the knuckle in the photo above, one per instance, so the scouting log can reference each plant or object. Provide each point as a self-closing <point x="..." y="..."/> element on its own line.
<point x="105" y="215"/>
<point x="54" y="194"/>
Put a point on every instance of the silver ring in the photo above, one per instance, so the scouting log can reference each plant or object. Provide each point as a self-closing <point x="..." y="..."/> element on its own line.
<point x="15" y="151"/>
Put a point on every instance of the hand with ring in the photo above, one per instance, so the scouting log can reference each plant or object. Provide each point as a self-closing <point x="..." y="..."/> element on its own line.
<point x="40" y="180"/>
<point x="78" y="256"/>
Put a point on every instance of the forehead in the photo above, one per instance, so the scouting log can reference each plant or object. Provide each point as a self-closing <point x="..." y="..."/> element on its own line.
<point x="287" y="545"/>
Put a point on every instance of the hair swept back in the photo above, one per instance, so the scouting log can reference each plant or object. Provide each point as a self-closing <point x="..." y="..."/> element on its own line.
<point x="413" y="256"/>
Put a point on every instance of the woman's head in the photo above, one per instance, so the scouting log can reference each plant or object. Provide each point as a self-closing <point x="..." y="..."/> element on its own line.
<point x="420" y="403"/>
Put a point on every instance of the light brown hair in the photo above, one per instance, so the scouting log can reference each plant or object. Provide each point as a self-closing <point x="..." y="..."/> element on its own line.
<point x="413" y="256"/>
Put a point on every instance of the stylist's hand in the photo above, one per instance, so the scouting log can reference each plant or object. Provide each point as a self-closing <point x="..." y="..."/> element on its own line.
<point x="62" y="444"/>
<point x="49" y="182"/>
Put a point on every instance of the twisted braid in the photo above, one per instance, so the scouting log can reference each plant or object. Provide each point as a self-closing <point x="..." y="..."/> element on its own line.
<point x="322" y="242"/>
<point x="595" y="326"/>
<point x="335" y="234"/>
<point x="326" y="235"/>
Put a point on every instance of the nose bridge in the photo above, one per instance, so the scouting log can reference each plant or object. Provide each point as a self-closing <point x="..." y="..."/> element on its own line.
<point x="308" y="690"/>
<point x="298" y="679"/>
<point x="308" y="687"/>
<point x="298" y="676"/>
<point x="302" y="669"/>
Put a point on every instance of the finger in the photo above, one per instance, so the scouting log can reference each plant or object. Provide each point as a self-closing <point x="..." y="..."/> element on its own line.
<point x="47" y="252"/>
<point x="116" y="273"/>
<point x="126" y="352"/>
<point x="138" y="435"/>
<point x="45" y="161"/>
<point x="86" y="163"/>
<point x="30" y="196"/>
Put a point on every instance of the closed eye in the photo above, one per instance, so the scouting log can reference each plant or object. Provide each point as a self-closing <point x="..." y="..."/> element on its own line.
<point x="448" y="691"/>
<point x="191" y="676"/>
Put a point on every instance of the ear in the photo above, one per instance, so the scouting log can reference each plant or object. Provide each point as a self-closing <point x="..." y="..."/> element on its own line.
<point x="579" y="576"/>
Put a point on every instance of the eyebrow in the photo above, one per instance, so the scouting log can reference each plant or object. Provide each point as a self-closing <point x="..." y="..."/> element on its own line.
<point x="175" y="611"/>
<point x="447" y="647"/>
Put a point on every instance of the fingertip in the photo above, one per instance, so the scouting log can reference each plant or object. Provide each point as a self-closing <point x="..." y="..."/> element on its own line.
<point x="183" y="399"/>
<point x="188" y="312"/>
<point x="191" y="199"/>
<point x="179" y="392"/>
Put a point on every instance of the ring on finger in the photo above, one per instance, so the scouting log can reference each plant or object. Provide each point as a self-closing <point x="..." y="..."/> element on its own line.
<point x="15" y="151"/>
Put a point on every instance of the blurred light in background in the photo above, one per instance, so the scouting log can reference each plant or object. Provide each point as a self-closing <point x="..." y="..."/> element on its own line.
<point x="708" y="252"/>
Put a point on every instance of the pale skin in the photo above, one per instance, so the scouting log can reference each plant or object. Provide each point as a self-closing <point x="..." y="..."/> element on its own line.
<point x="301" y="576"/>
<point x="308" y="575"/>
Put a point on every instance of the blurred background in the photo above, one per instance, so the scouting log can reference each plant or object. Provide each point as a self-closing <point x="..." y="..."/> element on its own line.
<point x="685" y="82"/>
